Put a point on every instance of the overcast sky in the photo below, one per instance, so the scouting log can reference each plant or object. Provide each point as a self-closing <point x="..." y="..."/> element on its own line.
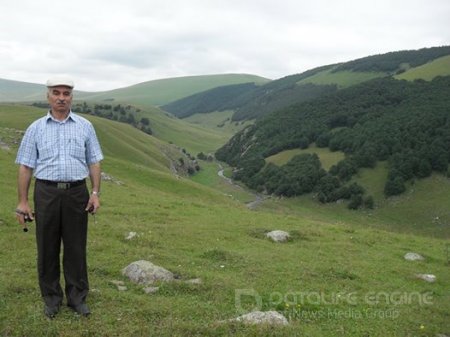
<point x="106" y="44"/>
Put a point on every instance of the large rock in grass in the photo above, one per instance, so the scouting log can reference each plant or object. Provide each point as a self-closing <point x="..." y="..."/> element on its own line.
<point x="413" y="257"/>
<point x="262" y="317"/>
<point x="145" y="272"/>
<point x="427" y="277"/>
<point x="278" y="236"/>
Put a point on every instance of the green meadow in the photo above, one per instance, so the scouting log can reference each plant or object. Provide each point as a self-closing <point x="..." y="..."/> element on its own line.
<point x="428" y="71"/>
<point x="327" y="158"/>
<point x="341" y="274"/>
<point x="342" y="79"/>
<point x="163" y="91"/>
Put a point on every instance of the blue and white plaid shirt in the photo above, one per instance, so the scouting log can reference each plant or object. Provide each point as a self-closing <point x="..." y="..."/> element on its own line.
<point x="60" y="150"/>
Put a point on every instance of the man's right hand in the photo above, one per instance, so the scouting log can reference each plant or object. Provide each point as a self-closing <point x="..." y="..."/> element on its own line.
<point x="23" y="212"/>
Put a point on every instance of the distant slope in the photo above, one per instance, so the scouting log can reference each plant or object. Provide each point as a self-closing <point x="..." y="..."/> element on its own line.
<point x="428" y="71"/>
<point x="394" y="61"/>
<point x="250" y="103"/>
<point x="216" y="99"/>
<point x="194" y="138"/>
<point x="118" y="140"/>
<point x="13" y="91"/>
<point x="156" y="92"/>
<point x="342" y="79"/>
<point x="294" y="89"/>
<point x="382" y="119"/>
<point x="163" y="91"/>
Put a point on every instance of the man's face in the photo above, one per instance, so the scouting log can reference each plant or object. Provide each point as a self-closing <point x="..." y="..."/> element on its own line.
<point x="60" y="99"/>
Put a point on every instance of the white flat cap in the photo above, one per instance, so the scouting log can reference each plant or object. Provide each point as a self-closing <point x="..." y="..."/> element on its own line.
<point x="60" y="81"/>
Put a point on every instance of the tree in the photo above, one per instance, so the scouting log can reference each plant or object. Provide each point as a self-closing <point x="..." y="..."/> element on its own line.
<point x="394" y="186"/>
<point x="145" y="121"/>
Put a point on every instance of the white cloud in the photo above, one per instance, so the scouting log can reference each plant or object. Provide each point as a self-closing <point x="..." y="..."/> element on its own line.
<point x="109" y="44"/>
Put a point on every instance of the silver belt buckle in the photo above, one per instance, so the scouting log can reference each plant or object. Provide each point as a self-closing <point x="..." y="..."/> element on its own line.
<point x="62" y="186"/>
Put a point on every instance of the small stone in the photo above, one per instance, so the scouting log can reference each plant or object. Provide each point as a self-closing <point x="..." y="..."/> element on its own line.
<point x="131" y="235"/>
<point x="194" y="281"/>
<point x="263" y="317"/>
<point x="151" y="290"/>
<point x="413" y="257"/>
<point x="278" y="236"/>
<point x="118" y="283"/>
<point x="122" y="288"/>
<point x="427" y="277"/>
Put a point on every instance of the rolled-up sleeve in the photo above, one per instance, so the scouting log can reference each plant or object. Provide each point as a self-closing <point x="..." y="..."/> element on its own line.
<point x="28" y="153"/>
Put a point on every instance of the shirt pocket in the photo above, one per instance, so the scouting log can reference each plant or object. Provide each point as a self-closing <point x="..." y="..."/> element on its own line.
<point x="47" y="150"/>
<point x="76" y="149"/>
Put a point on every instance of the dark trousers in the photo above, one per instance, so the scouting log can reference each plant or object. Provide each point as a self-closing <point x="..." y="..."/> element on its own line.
<point x="61" y="217"/>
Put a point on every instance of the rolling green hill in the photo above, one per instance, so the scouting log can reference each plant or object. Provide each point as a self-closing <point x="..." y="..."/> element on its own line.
<point x="159" y="92"/>
<point x="337" y="275"/>
<point x="382" y="119"/>
<point x="251" y="103"/>
<point x="342" y="79"/>
<point x="155" y="92"/>
<point x="13" y="91"/>
<point x="428" y="71"/>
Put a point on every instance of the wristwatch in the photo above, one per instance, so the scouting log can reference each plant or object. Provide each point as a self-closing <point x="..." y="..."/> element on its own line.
<point x="96" y="193"/>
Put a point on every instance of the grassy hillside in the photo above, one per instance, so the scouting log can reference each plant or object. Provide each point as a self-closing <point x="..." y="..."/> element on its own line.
<point x="193" y="137"/>
<point x="334" y="278"/>
<point x="159" y="92"/>
<point x="342" y="79"/>
<point x="382" y="119"/>
<point x="119" y="140"/>
<point x="12" y="91"/>
<point x="220" y="121"/>
<point x="327" y="157"/>
<point x="428" y="71"/>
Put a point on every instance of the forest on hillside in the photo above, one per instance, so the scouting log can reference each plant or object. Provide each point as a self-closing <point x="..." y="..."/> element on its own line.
<point x="405" y="123"/>
<point x="250" y="101"/>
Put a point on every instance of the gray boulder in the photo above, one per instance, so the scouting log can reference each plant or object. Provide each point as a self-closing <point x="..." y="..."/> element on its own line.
<point x="413" y="257"/>
<point x="278" y="236"/>
<point x="145" y="272"/>
<point x="262" y="317"/>
<point x="427" y="277"/>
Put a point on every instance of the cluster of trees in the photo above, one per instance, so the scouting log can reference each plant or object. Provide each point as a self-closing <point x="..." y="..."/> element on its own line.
<point x="406" y="123"/>
<point x="395" y="61"/>
<point x="122" y="113"/>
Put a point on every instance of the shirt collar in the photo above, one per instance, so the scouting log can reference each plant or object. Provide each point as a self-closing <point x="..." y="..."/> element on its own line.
<point x="70" y="116"/>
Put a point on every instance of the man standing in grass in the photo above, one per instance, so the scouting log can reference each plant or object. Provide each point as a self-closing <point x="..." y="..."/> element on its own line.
<point x="61" y="149"/>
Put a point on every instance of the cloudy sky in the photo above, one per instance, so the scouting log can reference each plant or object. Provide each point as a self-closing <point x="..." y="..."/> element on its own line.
<point x="106" y="44"/>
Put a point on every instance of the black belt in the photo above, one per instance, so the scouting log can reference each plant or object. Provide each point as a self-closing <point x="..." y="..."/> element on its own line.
<point x="62" y="185"/>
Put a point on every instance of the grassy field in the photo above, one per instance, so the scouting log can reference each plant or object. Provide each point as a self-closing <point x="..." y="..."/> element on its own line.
<point x="342" y="79"/>
<point x="219" y="121"/>
<point x="156" y="92"/>
<point x="327" y="157"/>
<point x="337" y="276"/>
<point x="160" y="92"/>
<point x="193" y="137"/>
<point x="428" y="71"/>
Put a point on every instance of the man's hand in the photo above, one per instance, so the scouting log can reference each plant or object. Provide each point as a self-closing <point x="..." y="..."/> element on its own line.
<point x="24" y="213"/>
<point x="93" y="204"/>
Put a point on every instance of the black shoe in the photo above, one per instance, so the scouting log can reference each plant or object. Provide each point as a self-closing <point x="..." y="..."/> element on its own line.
<point x="81" y="309"/>
<point x="50" y="312"/>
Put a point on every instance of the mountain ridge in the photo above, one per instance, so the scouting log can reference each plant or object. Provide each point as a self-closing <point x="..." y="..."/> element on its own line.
<point x="154" y="92"/>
